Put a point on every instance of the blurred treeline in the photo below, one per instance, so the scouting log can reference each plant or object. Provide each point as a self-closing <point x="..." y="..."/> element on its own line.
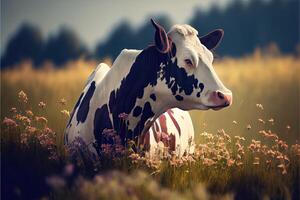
<point x="247" y="24"/>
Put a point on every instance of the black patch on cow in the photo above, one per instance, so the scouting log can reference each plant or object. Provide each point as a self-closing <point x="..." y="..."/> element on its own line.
<point x="137" y="111"/>
<point x="101" y="122"/>
<point x="75" y="107"/>
<point x="179" y="98"/>
<point x="66" y="139"/>
<point x="198" y="94"/>
<point x="142" y="73"/>
<point x="178" y="80"/>
<point x="201" y="86"/>
<point x="146" y="114"/>
<point x="153" y="97"/>
<point x="84" y="107"/>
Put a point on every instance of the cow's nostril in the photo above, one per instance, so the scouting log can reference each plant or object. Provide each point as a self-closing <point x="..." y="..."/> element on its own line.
<point x="220" y="95"/>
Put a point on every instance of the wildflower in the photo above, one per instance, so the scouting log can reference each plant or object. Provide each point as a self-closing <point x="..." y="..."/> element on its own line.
<point x="106" y="149"/>
<point x="154" y="164"/>
<point x="296" y="149"/>
<point x="22" y="97"/>
<point x="230" y="162"/>
<point x="207" y="135"/>
<point x="25" y="120"/>
<point x="109" y="134"/>
<point x="248" y="126"/>
<point x="240" y="148"/>
<point x="13" y="110"/>
<point x="9" y="122"/>
<point x="123" y="116"/>
<point x="280" y="157"/>
<point x="78" y="144"/>
<point x="119" y="149"/>
<point x="65" y="113"/>
<point x="208" y="162"/>
<point x="286" y="158"/>
<point x="269" y="134"/>
<point x="30" y="129"/>
<point x="283" y="168"/>
<point x="288" y="127"/>
<point x="271" y="121"/>
<point x="69" y="169"/>
<point x="271" y="153"/>
<point x="24" y="139"/>
<point x="260" y="106"/>
<point x="53" y="156"/>
<point x="62" y="101"/>
<point x="134" y="157"/>
<point x="190" y="159"/>
<point x="261" y="121"/>
<point x="282" y="144"/>
<point x="29" y="113"/>
<point x="234" y="122"/>
<point x="41" y="120"/>
<point x="239" y="138"/>
<point x="46" y="140"/>
<point x="42" y="104"/>
<point x="256" y="161"/>
<point x="55" y="182"/>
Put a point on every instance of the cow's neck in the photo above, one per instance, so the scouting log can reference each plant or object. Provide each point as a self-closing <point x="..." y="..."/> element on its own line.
<point x="134" y="105"/>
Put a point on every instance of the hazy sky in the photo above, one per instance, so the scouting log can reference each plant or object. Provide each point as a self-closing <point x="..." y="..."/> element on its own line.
<point x="92" y="19"/>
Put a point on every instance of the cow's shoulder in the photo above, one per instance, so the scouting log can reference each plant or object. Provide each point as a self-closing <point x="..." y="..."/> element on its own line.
<point x="98" y="74"/>
<point x="130" y="53"/>
<point x="126" y="57"/>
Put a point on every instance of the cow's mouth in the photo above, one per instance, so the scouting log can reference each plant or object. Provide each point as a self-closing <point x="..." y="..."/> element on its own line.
<point x="219" y="107"/>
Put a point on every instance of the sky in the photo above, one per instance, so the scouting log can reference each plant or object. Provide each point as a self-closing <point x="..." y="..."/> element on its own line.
<point x="92" y="19"/>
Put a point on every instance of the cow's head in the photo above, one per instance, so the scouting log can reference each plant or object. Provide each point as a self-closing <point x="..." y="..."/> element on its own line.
<point x="189" y="74"/>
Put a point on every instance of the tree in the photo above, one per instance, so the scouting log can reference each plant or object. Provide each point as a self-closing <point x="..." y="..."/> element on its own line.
<point x="252" y="23"/>
<point x="120" y="38"/>
<point x="64" y="46"/>
<point x="145" y="34"/>
<point x="27" y="43"/>
<point x="125" y="37"/>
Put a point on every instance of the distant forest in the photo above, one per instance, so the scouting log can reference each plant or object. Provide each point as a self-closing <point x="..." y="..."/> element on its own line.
<point x="247" y="25"/>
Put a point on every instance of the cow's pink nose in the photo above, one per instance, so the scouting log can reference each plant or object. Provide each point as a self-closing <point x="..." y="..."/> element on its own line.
<point x="221" y="99"/>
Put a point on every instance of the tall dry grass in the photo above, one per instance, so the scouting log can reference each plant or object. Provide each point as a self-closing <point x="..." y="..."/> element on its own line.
<point x="256" y="79"/>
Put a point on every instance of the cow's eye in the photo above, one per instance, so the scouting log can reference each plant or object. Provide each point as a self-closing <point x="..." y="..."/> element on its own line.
<point x="188" y="62"/>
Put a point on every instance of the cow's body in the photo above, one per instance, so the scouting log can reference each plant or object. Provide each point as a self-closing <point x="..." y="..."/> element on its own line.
<point x="143" y="84"/>
<point x="173" y="128"/>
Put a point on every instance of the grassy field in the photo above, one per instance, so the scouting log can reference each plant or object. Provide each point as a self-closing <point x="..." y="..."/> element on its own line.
<point x="265" y="112"/>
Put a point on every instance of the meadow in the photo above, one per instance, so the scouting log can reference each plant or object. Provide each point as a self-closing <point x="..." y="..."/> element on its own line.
<point x="247" y="151"/>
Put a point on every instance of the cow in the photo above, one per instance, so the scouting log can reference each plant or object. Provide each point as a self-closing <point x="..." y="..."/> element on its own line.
<point x="144" y="87"/>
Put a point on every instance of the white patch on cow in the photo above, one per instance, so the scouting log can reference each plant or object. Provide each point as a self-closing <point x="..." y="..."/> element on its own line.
<point x="183" y="29"/>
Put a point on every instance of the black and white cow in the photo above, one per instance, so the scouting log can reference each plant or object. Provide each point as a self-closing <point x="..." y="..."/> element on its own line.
<point x="144" y="85"/>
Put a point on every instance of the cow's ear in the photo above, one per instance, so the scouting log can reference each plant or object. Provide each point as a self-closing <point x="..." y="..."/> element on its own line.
<point x="162" y="42"/>
<point x="212" y="39"/>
